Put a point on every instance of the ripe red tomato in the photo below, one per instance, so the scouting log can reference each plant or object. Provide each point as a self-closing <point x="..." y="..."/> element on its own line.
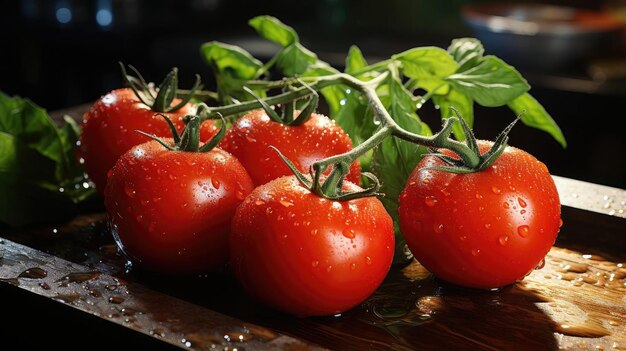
<point x="108" y="130"/>
<point x="486" y="229"/>
<point x="171" y="211"/>
<point x="319" y="137"/>
<point x="307" y="255"/>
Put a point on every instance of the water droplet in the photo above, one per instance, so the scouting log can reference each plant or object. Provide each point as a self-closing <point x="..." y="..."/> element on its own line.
<point x="430" y="201"/>
<point x="478" y="196"/>
<point x="33" y="273"/>
<point x="44" y="286"/>
<point x="522" y="230"/>
<point x="487" y="225"/>
<point x="495" y="190"/>
<point x="139" y="218"/>
<point x="503" y="240"/>
<point x="145" y="202"/>
<point x="521" y="202"/>
<point x="329" y="268"/>
<point x="353" y="266"/>
<point x="216" y="183"/>
<point x="463" y="237"/>
<point x="475" y="252"/>
<point x="286" y="203"/>
<point x="438" y="228"/>
<point x="313" y="231"/>
<point x="368" y="260"/>
<point x="522" y="211"/>
<point x="506" y="205"/>
<point x="240" y="196"/>
<point x="129" y="190"/>
<point x="259" y="202"/>
<point x="349" y="233"/>
<point x="116" y="299"/>
<point x="268" y="211"/>
<point x="315" y="263"/>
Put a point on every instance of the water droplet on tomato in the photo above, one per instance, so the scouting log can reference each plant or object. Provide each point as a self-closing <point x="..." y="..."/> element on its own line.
<point x="329" y="268"/>
<point x="139" y="218"/>
<point x="503" y="239"/>
<point x="522" y="230"/>
<point x="286" y="203"/>
<point x="259" y="202"/>
<point x="475" y="252"/>
<point x="239" y="194"/>
<point x="438" y="228"/>
<point x="353" y="266"/>
<point x="129" y="190"/>
<point x="430" y="201"/>
<point x="495" y="190"/>
<point x="315" y="263"/>
<point x="313" y="231"/>
<point x="522" y="211"/>
<point x="156" y="199"/>
<point x="145" y="202"/>
<point x="463" y="237"/>
<point x="268" y="211"/>
<point x="521" y="202"/>
<point x="478" y="196"/>
<point x="487" y="225"/>
<point x="216" y="183"/>
<point x="368" y="260"/>
<point x="349" y="233"/>
<point x="506" y="205"/>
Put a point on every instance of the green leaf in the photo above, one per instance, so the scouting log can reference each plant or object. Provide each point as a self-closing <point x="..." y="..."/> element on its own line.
<point x="467" y="52"/>
<point x="536" y="116"/>
<point x="274" y="30"/>
<point x="462" y="103"/>
<point x="355" y="60"/>
<point x="36" y="159"/>
<point x="231" y="58"/>
<point x="426" y="63"/>
<point x="491" y="83"/>
<point x="295" y="59"/>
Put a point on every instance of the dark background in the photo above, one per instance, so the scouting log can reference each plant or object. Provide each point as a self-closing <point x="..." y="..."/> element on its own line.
<point x="63" y="53"/>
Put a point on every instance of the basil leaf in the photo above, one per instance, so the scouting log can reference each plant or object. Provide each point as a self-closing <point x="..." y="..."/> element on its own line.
<point x="355" y="60"/>
<point x="230" y="58"/>
<point x="536" y="116"/>
<point x="272" y="29"/>
<point x="467" y="52"/>
<point x="295" y="59"/>
<point x="491" y="83"/>
<point x="462" y="103"/>
<point x="426" y="63"/>
<point x="36" y="160"/>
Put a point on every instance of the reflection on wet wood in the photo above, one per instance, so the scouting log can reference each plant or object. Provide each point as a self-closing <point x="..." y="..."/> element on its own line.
<point x="577" y="301"/>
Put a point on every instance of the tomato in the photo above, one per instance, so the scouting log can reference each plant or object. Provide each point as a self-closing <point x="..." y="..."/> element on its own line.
<point x="486" y="229"/>
<point x="319" y="137"/>
<point x="307" y="255"/>
<point x="108" y="130"/>
<point x="171" y="211"/>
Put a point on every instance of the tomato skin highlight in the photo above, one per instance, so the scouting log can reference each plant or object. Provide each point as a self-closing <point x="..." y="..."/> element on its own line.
<point x="108" y="130"/>
<point x="171" y="211"/>
<point x="482" y="230"/>
<point x="319" y="137"/>
<point x="306" y="255"/>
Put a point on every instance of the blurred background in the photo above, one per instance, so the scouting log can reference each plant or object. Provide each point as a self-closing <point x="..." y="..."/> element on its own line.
<point x="62" y="53"/>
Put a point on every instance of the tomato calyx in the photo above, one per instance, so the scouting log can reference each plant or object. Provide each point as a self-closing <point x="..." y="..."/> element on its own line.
<point x="159" y="99"/>
<point x="189" y="139"/>
<point x="331" y="187"/>
<point x="459" y="165"/>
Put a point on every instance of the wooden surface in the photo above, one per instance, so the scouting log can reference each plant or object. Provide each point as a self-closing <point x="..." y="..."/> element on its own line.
<point x="577" y="301"/>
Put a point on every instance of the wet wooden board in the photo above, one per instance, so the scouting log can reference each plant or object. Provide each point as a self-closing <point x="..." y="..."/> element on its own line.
<point x="576" y="302"/>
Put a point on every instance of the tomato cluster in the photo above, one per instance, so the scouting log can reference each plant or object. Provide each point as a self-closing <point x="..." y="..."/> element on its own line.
<point x="186" y="203"/>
